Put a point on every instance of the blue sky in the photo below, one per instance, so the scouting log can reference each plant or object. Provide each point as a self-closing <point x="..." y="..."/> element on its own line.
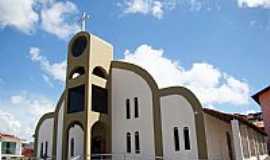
<point x="219" y="49"/>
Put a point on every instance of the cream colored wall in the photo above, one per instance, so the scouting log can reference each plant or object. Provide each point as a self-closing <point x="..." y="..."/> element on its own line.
<point x="77" y="133"/>
<point x="45" y="133"/>
<point x="127" y="84"/>
<point x="216" y="138"/>
<point x="60" y="132"/>
<point x="177" y="112"/>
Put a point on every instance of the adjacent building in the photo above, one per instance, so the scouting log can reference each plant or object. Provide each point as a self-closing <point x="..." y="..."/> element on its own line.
<point x="10" y="147"/>
<point x="113" y="108"/>
<point x="263" y="99"/>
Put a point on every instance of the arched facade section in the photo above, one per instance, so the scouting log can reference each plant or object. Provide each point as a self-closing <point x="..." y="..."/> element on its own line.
<point x="198" y="114"/>
<point x="154" y="98"/>
<point x="100" y="72"/>
<point x="75" y="140"/>
<point x="43" y="135"/>
<point x="77" y="72"/>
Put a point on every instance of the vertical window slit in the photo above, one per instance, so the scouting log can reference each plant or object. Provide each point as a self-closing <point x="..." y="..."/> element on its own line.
<point x="186" y="138"/>
<point x="176" y="139"/>
<point x="137" y="142"/>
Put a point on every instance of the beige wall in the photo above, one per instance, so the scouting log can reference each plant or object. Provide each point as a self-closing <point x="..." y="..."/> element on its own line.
<point x="216" y="138"/>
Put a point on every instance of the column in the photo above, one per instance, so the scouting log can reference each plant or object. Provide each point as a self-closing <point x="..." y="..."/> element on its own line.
<point x="237" y="143"/>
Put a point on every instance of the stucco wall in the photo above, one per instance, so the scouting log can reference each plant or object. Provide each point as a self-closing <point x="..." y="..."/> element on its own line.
<point x="127" y="84"/>
<point x="77" y="133"/>
<point x="265" y="103"/>
<point x="45" y="133"/>
<point x="177" y="112"/>
<point x="60" y="132"/>
<point x="216" y="138"/>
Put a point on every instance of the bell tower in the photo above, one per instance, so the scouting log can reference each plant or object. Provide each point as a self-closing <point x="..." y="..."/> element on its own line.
<point x="87" y="97"/>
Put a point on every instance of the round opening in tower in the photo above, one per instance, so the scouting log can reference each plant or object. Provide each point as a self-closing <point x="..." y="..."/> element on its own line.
<point x="78" y="46"/>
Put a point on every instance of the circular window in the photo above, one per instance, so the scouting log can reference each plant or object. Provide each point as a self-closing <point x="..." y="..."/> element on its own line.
<point x="79" y="46"/>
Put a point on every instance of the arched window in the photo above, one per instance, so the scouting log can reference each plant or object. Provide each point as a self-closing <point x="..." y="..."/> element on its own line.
<point x="137" y="142"/>
<point x="77" y="72"/>
<point x="46" y="149"/>
<point x="136" y="107"/>
<point x="72" y="147"/>
<point x="128" y="108"/>
<point x="100" y="72"/>
<point x="176" y="139"/>
<point x="128" y="142"/>
<point x="186" y="138"/>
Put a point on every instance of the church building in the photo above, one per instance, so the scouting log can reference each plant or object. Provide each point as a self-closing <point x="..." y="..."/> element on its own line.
<point x="115" y="110"/>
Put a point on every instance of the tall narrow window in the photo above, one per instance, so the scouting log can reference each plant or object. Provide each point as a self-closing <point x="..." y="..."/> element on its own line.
<point x="46" y="148"/>
<point x="128" y="108"/>
<point x="136" y="109"/>
<point x="41" y="150"/>
<point x="176" y="139"/>
<point x="137" y="142"/>
<point x="72" y="147"/>
<point x="186" y="138"/>
<point x="128" y="142"/>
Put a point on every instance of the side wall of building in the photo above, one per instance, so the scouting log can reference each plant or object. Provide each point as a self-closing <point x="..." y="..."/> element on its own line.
<point x="128" y="85"/>
<point x="60" y="131"/>
<point x="177" y="113"/>
<point x="45" y="135"/>
<point x="218" y="148"/>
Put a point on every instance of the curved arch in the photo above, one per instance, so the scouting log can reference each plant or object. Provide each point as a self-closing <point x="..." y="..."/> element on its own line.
<point x="77" y="72"/>
<point x="41" y="120"/>
<point x="73" y="123"/>
<point x="198" y="112"/>
<point x="138" y="70"/>
<point x="100" y="72"/>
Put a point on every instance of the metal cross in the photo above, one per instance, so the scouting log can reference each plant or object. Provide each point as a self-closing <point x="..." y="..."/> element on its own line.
<point x="83" y="20"/>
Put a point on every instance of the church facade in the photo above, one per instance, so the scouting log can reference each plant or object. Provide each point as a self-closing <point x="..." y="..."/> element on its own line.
<point x="113" y="108"/>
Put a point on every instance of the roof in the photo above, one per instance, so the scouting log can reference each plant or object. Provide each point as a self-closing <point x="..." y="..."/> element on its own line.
<point x="226" y="117"/>
<point x="9" y="136"/>
<point x="256" y="96"/>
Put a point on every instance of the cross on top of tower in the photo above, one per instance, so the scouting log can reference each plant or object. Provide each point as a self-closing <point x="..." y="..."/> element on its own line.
<point x="83" y="20"/>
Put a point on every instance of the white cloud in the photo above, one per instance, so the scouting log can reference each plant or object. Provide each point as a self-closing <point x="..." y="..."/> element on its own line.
<point x="254" y="3"/>
<point x="55" y="19"/>
<point x="19" y="14"/>
<point x="152" y="7"/>
<point x="20" y="114"/>
<point x="55" y="70"/>
<point x="211" y="85"/>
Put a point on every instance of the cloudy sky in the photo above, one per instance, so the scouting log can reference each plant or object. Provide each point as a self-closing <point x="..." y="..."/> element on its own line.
<point x="217" y="48"/>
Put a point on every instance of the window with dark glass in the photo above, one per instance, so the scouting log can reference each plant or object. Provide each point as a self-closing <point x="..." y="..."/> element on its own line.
<point x="137" y="142"/>
<point x="76" y="98"/>
<point x="78" y="46"/>
<point x="176" y="139"/>
<point x="99" y="99"/>
<point x="100" y="72"/>
<point x="46" y="149"/>
<point x="72" y="147"/>
<point x="186" y="138"/>
<point x="128" y="108"/>
<point x="128" y="142"/>
<point x="41" y="150"/>
<point x="8" y="148"/>
<point x="136" y="107"/>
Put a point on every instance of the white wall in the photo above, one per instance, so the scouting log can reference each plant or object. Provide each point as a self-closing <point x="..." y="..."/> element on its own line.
<point x="60" y="132"/>
<point x="77" y="133"/>
<point x="127" y="84"/>
<point x="177" y="112"/>
<point x="45" y="133"/>
<point x="216" y="138"/>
